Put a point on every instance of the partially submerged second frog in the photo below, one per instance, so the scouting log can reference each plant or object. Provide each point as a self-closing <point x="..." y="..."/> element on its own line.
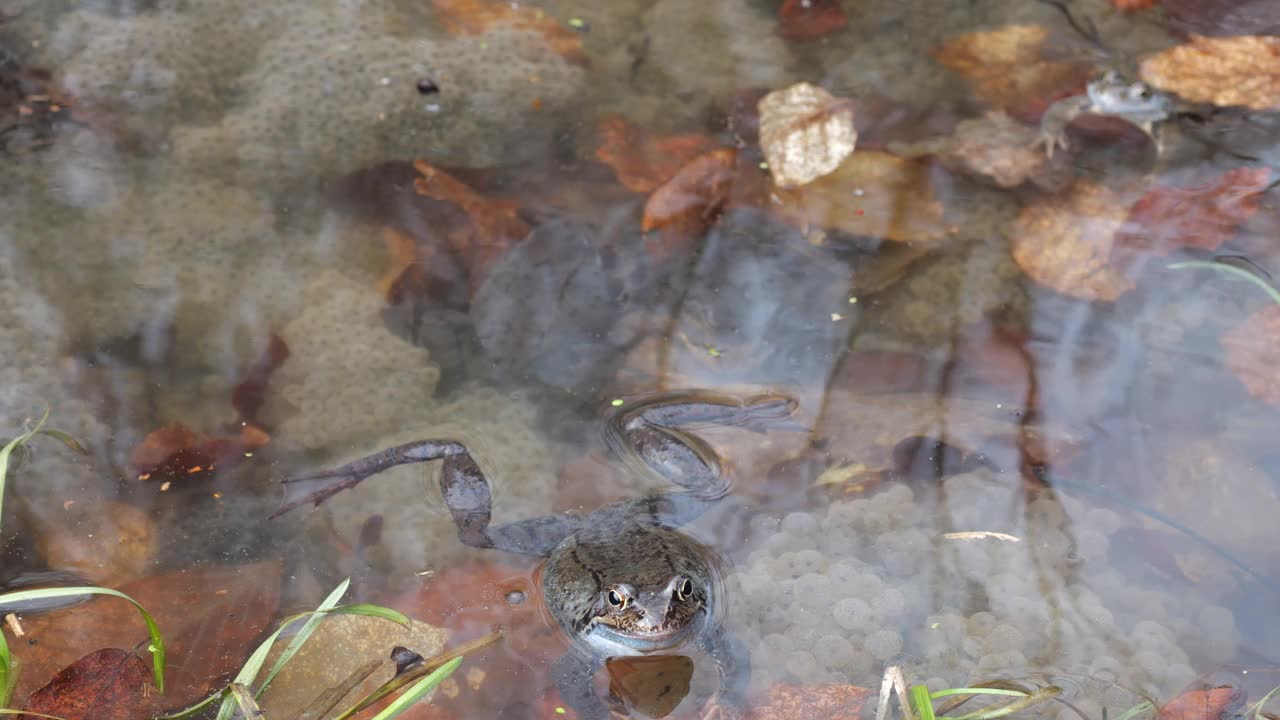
<point x="1110" y="95"/>
<point x="621" y="580"/>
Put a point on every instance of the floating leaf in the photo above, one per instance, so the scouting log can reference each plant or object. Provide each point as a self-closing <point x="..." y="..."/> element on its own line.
<point x="1007" y="68"/>
<point x="1203" y="704"/>
<point x="805" y="132"/>
<point x="1227" y="71"/>
<point x="685" y="205"/>
<point x="467" y="18"/>
<point x="787" y="701"/>
<point x="176" y="451"/>
<point x="800" y="20"/>
<point x="872" y="193"/>
<point x="1253" y="353"/>
<point x="1203" y="216"/>
<point x="643" y="161"/>
<point x="491" y="226"/>
<point x="107" y="684"/>
<point x="1065" y="242"/>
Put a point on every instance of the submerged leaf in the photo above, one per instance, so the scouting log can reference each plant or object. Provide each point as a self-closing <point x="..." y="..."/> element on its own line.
<point x="1253" y="353"/>
<point x="107" y="684"/>
<point x="685" y="205"/>
<point x="800" y="20"/>
<point x="1203" y="704"/>
<point x="998" y="147"/>
<point x="176" y="451"/>
<point x="641" y="160"/>
<point x="1008" y="68"/>
<point x="1203" y="216"/>
<point x="1065" y="242"/>
<point x="805" y="133"/>
<point x="1228" y="71"/>
<point x="247" y="397"/>
<point x="463" y="18"/>
<point x="787" y="701"/>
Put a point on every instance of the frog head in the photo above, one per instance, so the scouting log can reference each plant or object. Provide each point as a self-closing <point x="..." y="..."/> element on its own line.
<point x="647" y="619"/>
<point x="1136" y="101"/>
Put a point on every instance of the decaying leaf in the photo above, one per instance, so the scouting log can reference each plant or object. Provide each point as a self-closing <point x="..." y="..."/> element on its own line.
<point x="872" y="193"/>
<point x="491" y="228"/>
<point x="107" y="684"/>
<point x="1007" y="67"/>
<point x="786" y="701"/>
<point x="406" y="274"/>
<point x="1065" y="242"/>
<point x="475" y="17"/>
<point x="247" y="397"/>
<point x="684" y="206"/>
<point x="210" y="616"/>
<point x="998" y="147"/>
<point x="1227" y="71"/>
<point x="176" y="451"/>
<point x="108" y="543"/>
<point x="1253" y="353"/>
<point x="1133" y="5"/>
<point x="654" y="686"/>
<point x="1203" y="216"/>
<point x="641" y="160"/>
<point x="800" y="20"/>
<point x="805" y="133"/>
<point x="1204" y="704"/>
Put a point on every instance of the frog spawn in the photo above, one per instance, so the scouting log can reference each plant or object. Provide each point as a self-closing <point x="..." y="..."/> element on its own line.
<point x="837" y="594"/>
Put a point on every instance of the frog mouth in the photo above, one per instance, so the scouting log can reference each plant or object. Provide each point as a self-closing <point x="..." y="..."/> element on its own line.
<point x="641" y="641"/>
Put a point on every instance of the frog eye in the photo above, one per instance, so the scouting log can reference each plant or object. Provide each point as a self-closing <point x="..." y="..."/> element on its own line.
<point x="684" y="590"/>
<point x="1140" y="91"/>
<point x="616" y="599"/>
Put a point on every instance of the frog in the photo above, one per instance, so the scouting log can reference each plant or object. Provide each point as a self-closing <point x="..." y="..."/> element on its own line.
<point x="1111" y="95"/>
<point x="623" y="580"/>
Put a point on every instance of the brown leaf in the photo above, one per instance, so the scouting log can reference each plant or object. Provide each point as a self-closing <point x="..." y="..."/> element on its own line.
<point x="176" y="451"/>
<point x="492" y="226"/>
<point x="1253" y="353"/>
<point x="800" y="20"/>
<point x="248" y="396"/>
<point x="1065" y="242"/>
<point x="107" y="684"/>
<point x="108" y="543"/>
<point x="1241" y="71"/>
<point x="805" y="133"/>
<point x="1007" y="67"/>
<point x="210" y="617"/>
<point x="655" y="686"/>
<point x="1203" y="216"/>
<point x="1204" y="704"/>
<point x="465" y="18"/>
<point x="1133" y="5"/>
<point x="643" y="161"/>
<point x="786" y="701"/>
<point x="685" y="205"/>
<point x="872" y="193"/>
<point x="998" y="147"/>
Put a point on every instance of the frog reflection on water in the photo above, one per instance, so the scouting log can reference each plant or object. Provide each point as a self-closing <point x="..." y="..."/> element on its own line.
<point x="621" y="580"/>
<point x="1110" y="95"/>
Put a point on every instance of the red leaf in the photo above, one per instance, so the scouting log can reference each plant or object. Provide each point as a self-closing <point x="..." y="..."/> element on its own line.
<point x="1202" y="216"/>
<point x="176" y="451"/>
<point x="1253" y="353"/>
<point x="800" y="20"/>
<point x="1206" y="704"/>
<point x="210" y="617"/>
<point x="643" y="161"/>
<point x="247" y="397"/>
<point x="107" y="684"/>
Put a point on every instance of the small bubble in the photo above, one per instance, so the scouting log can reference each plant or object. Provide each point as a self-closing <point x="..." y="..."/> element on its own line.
<point x="515" y="597"/>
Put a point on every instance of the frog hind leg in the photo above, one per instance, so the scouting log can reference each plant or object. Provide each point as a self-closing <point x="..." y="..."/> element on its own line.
<point x="574" y="675"/>
<point x="465" y="490"/>
<point x="654" y="432"/>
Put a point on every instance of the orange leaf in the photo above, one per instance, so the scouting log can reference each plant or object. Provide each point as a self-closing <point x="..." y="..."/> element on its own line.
<point x="786" y="701"/>
<point x="464" y="18"/>
<point x="1065" y="242"/>
<point x="1007" y="67"/>
<point x="1253" y="353"/>
<point x="407" y="275"/>
<point x="1133" y="5"/>
<point x="1207" y="704"/>
<point x="872" y="193"/>
<point x="643" y="161"/>
<point x="684" y="206"/>
<point x="1226" y="71"/>
<point x="1204" y="216"/>
<point x="800" y="20"/>
<point x="210" y="616"/>
<point x="109" y="543"/>
<point x="492" y="226"/>
<point x="107" y="684"/>
<point x="176" y="451"/>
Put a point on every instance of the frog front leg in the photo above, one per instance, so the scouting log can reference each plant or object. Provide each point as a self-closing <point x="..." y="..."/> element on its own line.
<point x="1054" y="122"/>
<point x="733" y="662"/>
<point x="574" y="675"/>
<point x="466" y="494"/>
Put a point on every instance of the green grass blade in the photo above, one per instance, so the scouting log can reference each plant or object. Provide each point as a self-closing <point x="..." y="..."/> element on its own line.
<point x="1025" y="701"/>
<point x="248" y="706"/>
<point x="196" y="709"/>
<point x="8" y="673"/>
<point x="921" y="702"/>
<point x="3" y="711"/>
<point x="1136" y="710"/>
<point x="157" y="642"/>
<point x="976" y="691"/>
<point x="377" y="611"/>
<point x="1266" y="287"/>
<point x="418" y="690"/>
<point x="1257" y="709"/>
<point x="296" y="644"/>
<point x="66" y="439"/>
<point x="8" y="451"/>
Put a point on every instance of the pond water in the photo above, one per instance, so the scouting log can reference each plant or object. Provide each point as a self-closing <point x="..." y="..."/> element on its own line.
<point x="241" y="241"/>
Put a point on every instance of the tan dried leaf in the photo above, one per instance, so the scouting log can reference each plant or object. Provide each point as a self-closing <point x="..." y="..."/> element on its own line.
<point x="1224" y="71"/>
<point x="1006" y="67"/>
<point x="872" y="193"/>
<point x="1064" y="242"/>
<point x="805" y="132"/>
